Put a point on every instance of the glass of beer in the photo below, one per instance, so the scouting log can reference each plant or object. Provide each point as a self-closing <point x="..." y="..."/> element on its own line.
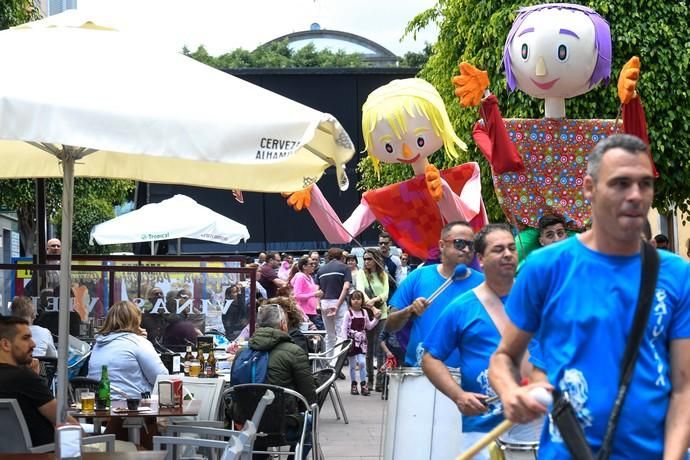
<point x="88" y="401"/>
<point x="194" y="368"/>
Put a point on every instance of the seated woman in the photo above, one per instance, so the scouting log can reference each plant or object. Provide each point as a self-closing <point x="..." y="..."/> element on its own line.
<point x="133" y="364"/>
<point x="121" y="344"/>
<point x="295" y="317"/>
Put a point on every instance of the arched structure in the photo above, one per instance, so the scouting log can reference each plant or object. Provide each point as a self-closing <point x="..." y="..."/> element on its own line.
<point x="377" y="55"/>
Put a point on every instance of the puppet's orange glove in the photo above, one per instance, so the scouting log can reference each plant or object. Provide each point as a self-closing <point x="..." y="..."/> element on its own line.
<point x="627" y="80"/>
<point x="433" y="182"/>
<point x="470" y="84"/>
<point x="300" y="199"/>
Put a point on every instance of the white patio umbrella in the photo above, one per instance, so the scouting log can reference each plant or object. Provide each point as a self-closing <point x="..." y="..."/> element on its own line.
<point x="176" y="217"/>
<point x="99" y="103"/>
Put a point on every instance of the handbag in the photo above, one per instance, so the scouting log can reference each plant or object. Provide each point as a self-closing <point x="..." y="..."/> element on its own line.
<point x="370" y="293"/>
<point x="563" y="413"/>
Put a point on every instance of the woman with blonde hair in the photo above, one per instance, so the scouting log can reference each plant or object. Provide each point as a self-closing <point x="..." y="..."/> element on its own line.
<point x="121" y="344"/>
<point x="372" y="280"/>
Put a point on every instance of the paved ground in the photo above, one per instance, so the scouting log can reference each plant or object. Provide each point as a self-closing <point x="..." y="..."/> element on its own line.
<point x="362" y="438"/>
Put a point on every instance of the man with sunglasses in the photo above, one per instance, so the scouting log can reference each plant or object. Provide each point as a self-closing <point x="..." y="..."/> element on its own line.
<point x="471" y="324"/>
<point x="412" y="315"/>
<point x="392" y="263"/>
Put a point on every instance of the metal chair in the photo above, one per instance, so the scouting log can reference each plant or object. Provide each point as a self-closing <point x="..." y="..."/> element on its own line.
<point x="272" y="431"/>
<point x="324" y="378"/>
<point x="17" y="439"/>
<point x="335" y="359"/>
<point x="77" y="385"/>
<point x="47" y="370"/>
<point x="235" y="445"/>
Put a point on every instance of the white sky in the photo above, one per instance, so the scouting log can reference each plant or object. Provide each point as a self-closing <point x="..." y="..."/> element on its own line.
<point x="223" y="25"/>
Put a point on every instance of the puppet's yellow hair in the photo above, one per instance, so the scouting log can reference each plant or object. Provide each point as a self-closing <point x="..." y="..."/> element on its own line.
<point x="413" y="96"/>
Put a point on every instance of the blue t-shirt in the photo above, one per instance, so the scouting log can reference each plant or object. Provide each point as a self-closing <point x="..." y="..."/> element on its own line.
<point x="580" y="305"/>
<point x="422" y="282"/>
<point x="465" y="326"/>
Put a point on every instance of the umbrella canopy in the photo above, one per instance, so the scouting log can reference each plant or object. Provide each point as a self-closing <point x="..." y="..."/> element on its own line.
<point x="98" y="103"/>
<point x="156" y="116"/>
<point x="176" y="217"/>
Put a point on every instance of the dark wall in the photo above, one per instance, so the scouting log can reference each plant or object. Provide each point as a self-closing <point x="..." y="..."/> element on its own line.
<point x="271" y="223"/>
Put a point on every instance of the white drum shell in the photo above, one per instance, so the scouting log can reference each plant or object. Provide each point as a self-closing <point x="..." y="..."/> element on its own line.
<point x="521" y="442"/>
<point x="421" y="422"/>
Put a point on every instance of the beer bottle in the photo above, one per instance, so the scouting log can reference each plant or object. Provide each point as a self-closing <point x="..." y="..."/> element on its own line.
<point x="211" y="364"/>
<point x="202" y="362"/>
<point x="187" y="359"/>
<point x="103" y="394"/>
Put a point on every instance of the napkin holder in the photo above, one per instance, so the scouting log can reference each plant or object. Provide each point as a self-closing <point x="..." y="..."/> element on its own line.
<point x="170" y="392"/>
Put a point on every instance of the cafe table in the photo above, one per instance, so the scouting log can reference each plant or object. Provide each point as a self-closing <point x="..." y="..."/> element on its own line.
<point x="147" y="408"/>
<point x="139" y="455"/>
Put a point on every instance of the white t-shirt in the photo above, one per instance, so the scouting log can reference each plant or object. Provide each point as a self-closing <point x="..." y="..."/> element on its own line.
<point x="45" y="346"/>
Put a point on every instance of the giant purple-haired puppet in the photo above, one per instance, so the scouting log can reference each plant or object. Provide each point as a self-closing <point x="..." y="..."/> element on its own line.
<point x="553" y="52"/>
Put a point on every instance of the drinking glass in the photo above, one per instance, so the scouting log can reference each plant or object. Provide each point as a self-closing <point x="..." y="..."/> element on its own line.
<point x="88" y="401"/>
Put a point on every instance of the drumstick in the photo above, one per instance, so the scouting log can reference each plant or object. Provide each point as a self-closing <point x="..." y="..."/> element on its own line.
<point x="460" y="272"/>
<point x="538" y="393"/>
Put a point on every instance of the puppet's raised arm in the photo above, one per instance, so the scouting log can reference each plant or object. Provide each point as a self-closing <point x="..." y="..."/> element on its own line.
<point x="468" y="204"/>
<point x="634" y="119"/>
<point x="327" y="220"/>
<point x="471" y="88"/>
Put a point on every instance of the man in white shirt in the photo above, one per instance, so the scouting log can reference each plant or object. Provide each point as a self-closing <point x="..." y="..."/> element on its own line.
<point x="23" y="307"/>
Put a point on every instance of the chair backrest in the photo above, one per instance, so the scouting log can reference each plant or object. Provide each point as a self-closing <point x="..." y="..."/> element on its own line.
<point x="209" y="391"/>
<point x="244" y="401"/>
<point x="47" y="370"/>
<point x="324" y="378"/>
<point x="15" y="433"/>
<point x="77" y="385"/>
<point x="340" y="354"/>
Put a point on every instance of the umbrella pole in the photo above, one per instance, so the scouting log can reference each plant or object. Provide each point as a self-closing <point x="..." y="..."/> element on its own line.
<point x="65" y="282"/>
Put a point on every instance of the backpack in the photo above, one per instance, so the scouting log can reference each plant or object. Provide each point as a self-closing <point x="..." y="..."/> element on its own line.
<point x="249" y="366"/>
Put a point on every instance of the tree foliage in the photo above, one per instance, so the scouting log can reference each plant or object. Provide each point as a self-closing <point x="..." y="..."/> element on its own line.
<point x="93" y="198"/>
<point x="416" y="59"/>
<point x="93" y="203"/>
<point x="475" y="31"/>
<point x="277" y="55"/>
<point x="14" y="12"/>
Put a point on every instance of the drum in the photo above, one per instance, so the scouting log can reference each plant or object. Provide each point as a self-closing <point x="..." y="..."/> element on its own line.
<point x="521" y="442"/>
<point x="421" y="423"/>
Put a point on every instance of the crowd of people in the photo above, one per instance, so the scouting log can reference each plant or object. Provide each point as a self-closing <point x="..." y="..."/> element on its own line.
<point x="561" y="324"/>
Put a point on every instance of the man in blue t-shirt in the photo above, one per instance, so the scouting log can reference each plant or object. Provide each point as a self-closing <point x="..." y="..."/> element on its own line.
<point x="472" y="325"/>
<point x="578" y="299"/>
<point x="411" y="308"/>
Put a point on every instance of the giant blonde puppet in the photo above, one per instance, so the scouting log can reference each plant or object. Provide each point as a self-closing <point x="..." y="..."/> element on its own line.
<point x="405" y="121"/>
<point x="553" y="52"/>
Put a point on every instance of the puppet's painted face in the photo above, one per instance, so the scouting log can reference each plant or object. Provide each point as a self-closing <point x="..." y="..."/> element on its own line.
<point x="553" y="54"/>
<point x="417" y="142"/>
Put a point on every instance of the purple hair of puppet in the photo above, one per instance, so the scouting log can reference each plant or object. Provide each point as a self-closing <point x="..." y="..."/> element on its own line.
<point x="602" y="39"/>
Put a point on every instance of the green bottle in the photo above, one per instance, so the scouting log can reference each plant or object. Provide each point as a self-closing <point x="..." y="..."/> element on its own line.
<point x="103" y="395"/>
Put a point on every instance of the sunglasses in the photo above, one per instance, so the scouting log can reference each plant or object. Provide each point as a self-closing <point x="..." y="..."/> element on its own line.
<point x="461" y="244"/>
<point x="384" y="243"/>
<point x="367" y="258"/>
